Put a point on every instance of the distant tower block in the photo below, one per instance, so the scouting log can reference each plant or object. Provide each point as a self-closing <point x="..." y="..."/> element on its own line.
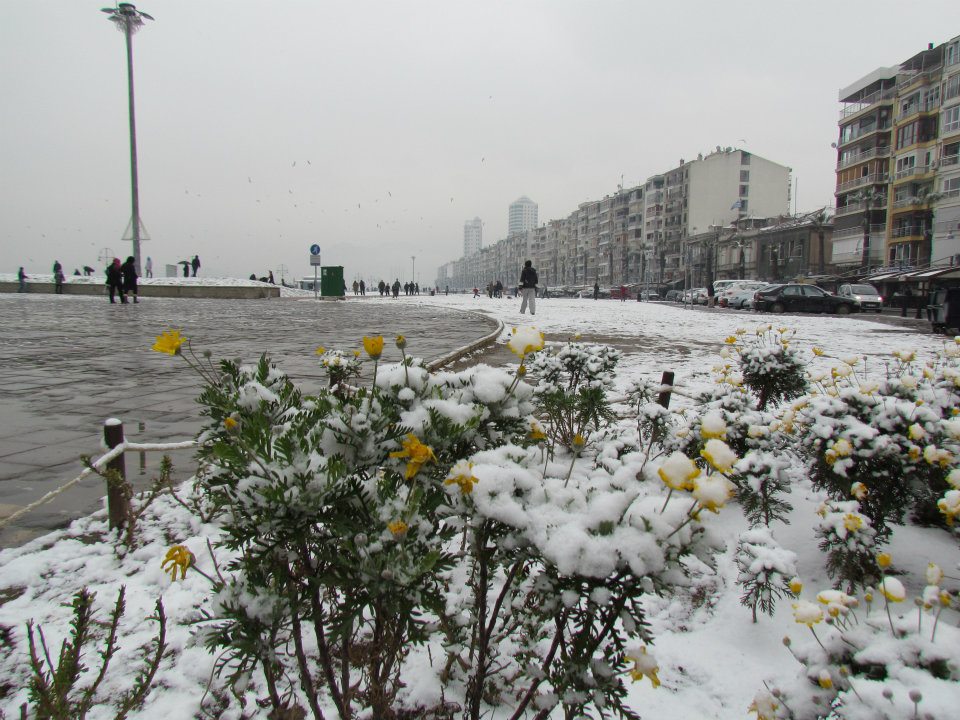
<point x="523" y="215"/>
<point x="472" y="237"/>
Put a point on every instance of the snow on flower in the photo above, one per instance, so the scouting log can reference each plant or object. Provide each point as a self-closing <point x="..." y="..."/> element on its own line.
<point x="525" y="340"/>
<point x="461" y="475"/>
<point x="678" y="472"/>
<point x="417" y="453"/>
<point x="892" y="589"/>
<point x="807" y="613"/>
<point x="713" y="426"/>
<point x="712" y="491"/>
<point x="644" y="665"/>
<point x="719" y="455"/>
<point x="949" y="505"/>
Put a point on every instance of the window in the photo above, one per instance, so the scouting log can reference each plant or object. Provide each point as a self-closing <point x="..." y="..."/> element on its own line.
<point x="951" y="119"/>
<point x="905" y="163"/>
<point x="952" y="185"/>
<point x="744" y="176"/>
<point x="745" y="158"/>
<point x="813" y="291"/>
<point x="907" y="135"/>
<point x="744" y="190"/>
<point x="952" y="88"/>
<point x="792" y="290"/>
<point x="743" y="206"/>
<point x="951" y="54"/>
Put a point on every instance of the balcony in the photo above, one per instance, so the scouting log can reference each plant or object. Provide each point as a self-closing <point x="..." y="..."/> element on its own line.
<point x="873" y="179"/>
<point x="874" y="152"/>
<point x="876" y="230"/>
<point x="907" y="232"/>
<point x="863" y="132"/>
<point x="907" y="202"/>
<point x="849" y="209"/>
<point x="948" y="160"/>
<point x="860" y="106"/>
<point x="911" y="172"/>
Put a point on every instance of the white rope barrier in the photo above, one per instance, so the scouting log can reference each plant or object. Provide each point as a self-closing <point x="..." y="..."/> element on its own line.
<point x="97" y="464"/>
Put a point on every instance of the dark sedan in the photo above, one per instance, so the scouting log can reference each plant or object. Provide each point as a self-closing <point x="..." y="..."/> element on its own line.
<point x="795" y="297"/>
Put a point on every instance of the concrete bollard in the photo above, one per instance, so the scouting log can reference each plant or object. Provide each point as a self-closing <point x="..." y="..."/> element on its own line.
<point x="117" y="508"/>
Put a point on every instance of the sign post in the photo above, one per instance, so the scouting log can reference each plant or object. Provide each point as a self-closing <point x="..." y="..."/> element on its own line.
<point x="315" y="261"/>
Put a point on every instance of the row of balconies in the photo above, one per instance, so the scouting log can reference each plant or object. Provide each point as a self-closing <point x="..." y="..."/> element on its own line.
<point x="872" y="179"/>
<point x="864" y="155"/>
<point x="861" y="105"/>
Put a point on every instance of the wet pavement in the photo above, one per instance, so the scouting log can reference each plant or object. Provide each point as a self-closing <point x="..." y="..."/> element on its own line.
<point x="69" y="362"/>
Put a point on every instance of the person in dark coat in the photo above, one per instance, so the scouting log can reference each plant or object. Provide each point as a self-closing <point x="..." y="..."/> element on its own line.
<point x="22" y="279"/>
<point x="115" y="281"/>
<point x="129" y="272"/>
<point x="396" y="288"/>
<point x="363" y="288"/>
<point x="195" y="264"/>
<point x="528" y="287"/>
<point x="596" y="290"/>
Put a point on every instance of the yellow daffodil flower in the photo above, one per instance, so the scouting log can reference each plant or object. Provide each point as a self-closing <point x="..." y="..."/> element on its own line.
<point x="230" y="424"/>
<point x="177" y="557"/>
<point x="416" y="452"/>
<point x="169" y="342"/>
<point x="373" y="346"/>
<point x="398" y="528"/>
<point x="892" y="589"/>
<point x="461" y="474"/>
<point x="644" y="665"/>
<point x="884" y="560"/>
<point x="678" y="472"/>
<point x="796" y="585"/>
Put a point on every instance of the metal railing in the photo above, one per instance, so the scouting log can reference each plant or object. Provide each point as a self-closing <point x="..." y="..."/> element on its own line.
<point x="873" y="152"/>
<point x="911" y="171"/>
<point x="876" y="230"/>
<point x="864" y="103"/>
<point x="872" y="179"/>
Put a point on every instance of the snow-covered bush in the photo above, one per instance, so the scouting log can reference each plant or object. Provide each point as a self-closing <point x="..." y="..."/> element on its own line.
<point x="766" y="570"/>
<point x="572" y="388"/>
<point x="894" y="439"/>
<point x="849" y="541"/>
<point x="873" y="656"/>
<point x="363" y="524"/>
<point x="769" y="366"/>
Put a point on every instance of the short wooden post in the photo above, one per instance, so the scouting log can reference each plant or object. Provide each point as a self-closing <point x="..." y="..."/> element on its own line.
<point x="116" y="498"/>
<point x="663" y="399"/>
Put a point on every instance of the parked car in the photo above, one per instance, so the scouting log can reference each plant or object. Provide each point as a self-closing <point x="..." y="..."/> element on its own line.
<point x="866" y="296"/>
<point x="649" y="295"/>
<point x="742" y="300"/>
<point x="741" y="286"/>
<point x="673" y="295"/>
<point x="796" y="297"/>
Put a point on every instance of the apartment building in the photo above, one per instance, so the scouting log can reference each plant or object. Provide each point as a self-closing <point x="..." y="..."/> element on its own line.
<point x="472" y="237"/>
<point x="640" y="233"/>
<point x="522" y="215"/>
<point x="898" y="179"/>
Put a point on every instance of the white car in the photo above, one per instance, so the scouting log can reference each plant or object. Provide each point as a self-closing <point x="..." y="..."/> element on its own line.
<point x="865" y="296"/>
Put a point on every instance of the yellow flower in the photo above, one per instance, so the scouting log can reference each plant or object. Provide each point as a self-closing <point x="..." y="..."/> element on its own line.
<point x="731" y="340"/>
<point x="916" y="432"/>
<point x="764" y="705"/>
<point x="807" y="613"/>
<point x="796" y="586"/>
<point x="934" y="574"/>
<point x="578" y="442"/>
<point x="417" y="453"/>
<point x="321" y="349"/>
<point x="536" y="432"/>
<point x="719" y="455"/>
<point x="858" y="490"/>
<point x="461" y="474"/>
<point x="229" y="423"/>
<point x="356" y="353"/>
<point x="169" y="342"/>
<point x="177" y="557"/>
<point x="401" y="342"/>
<point x="525" y="340"/>
<point x="644" y="665"/>
<point x="842" y="447"/>
<point x="398" y="528"/>
<point x="373" y="346"/>
<point x="884" y="559"/>
<point x="824" y="680"/>
<point x="817" y="351"/>
<point x="949" y="505"/>
<point x="852" y="522"/>
<point x="892" y="589"/>
<point x="678" y="472"/>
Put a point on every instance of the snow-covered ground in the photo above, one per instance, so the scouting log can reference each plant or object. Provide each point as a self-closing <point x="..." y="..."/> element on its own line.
<point x="201" y="281"/>
<point x="712" y="657"/>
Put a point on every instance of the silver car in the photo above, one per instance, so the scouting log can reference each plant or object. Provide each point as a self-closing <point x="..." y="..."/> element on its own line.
<point x="866" y="296"/>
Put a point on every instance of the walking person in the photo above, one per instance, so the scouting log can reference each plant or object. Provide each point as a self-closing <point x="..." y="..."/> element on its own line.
<point x="396" y="288"/>
<point x="528" y="287"/>
<point x="623" y="293"/>
<point x="596" y="290"/>
<point x="195" y="264"/>
<point x="115" y="281"/>
<point x="129" y="272"/>
<point x="148" y="268"/>
<point x="363" y="289"/>
<point x="22" y="278"/>
<point x="57" y="277"/>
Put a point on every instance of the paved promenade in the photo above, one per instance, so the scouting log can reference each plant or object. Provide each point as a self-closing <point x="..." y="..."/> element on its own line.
<point x="69" y="362"/>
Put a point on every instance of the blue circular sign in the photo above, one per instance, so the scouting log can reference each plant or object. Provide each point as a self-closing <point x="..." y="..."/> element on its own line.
<point x="314" y="249"/>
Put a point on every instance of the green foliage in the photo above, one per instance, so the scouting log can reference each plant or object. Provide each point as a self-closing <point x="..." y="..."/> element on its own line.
<point x="53" y="686"/>
<point x="770" y="367"/>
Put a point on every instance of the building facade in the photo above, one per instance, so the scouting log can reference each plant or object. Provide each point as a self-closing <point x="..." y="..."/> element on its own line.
<point x="522" y="216"/>
<point x="472" y="237"/>
<point x="898" y="178"/>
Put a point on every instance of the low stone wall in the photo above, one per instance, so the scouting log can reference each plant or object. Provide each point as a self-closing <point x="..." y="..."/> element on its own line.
<point x="221" y="292"/>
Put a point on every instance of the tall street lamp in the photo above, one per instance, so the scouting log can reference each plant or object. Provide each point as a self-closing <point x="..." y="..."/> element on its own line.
<point x="127" y="19"/>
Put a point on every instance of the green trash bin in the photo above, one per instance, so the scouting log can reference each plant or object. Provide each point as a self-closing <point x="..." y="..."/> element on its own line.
<point x="331" y="281"/>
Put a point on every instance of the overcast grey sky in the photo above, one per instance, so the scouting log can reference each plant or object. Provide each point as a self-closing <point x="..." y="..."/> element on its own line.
<point x="376" y="129"/>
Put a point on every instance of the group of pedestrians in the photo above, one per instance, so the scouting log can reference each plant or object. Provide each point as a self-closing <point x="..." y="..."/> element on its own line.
<point x="122" y="280"/>
<point x="360" y="288"/>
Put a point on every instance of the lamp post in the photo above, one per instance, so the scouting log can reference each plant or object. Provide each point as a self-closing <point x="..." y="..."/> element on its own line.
<point x="413" y="268"/>
<point x="127" y="19"/>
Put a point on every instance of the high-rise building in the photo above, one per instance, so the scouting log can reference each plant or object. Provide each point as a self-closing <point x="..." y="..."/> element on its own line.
<point x="523" y="216"/>
<point x="472" y="237"/>
<point x="898" y="179"/>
